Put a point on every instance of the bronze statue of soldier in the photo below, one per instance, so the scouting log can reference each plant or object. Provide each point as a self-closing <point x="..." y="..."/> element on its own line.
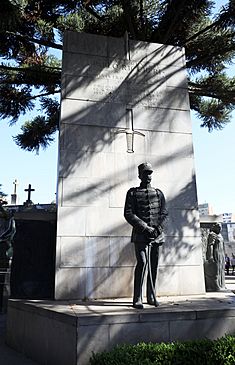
<point x="145" y="209"/>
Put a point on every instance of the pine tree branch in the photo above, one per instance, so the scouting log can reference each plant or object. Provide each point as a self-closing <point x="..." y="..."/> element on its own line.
<point x="208" y="56"/>
<point x="226" y="96"/>
<point x="217" y="22"/>
<point x="197" y="89"/>
<point x="91" y="11"/>
<point x="30" y="69"/>
<point x="45" y="94"/>
<point x="41" y="42"/>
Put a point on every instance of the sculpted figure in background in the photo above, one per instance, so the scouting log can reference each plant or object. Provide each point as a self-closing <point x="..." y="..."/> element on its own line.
<point x="215" y="258"/>
<point x="7" y="232"/>
<point x="145" y="209"/>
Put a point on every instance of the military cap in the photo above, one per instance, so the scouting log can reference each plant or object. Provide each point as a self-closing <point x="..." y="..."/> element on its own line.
<point x="146" y="166"/>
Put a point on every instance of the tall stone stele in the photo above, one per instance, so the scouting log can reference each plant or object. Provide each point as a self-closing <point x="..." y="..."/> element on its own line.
<point x="112" y="85"/>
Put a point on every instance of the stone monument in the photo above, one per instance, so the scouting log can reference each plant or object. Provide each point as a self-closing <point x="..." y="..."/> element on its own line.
<point x="124" y="102"/>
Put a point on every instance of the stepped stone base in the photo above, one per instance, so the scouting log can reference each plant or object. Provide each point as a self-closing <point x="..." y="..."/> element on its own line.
<point x="61" y="333"/>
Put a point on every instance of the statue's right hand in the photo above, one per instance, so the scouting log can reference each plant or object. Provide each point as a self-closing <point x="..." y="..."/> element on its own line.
<point x="150" y="231"/>
<point x="212" y="237"/>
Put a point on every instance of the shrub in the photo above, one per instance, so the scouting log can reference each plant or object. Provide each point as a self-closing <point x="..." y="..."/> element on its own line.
<point x="202" y="352"/>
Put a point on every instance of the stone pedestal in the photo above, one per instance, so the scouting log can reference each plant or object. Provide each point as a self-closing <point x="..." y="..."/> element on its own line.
<point x="68" y="332"/>
<point x="109" y="84"/>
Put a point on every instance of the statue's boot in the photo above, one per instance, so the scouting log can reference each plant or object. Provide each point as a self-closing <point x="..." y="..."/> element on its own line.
<point x="151" y="301"/>
<point x="138" y="303"/>
<point x="138" y="283"/>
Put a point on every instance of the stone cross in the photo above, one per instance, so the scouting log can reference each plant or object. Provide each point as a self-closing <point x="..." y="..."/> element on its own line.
<point x="14" y="195"/>
<point x="15" y="183"/>
<point x="29" y="190"/>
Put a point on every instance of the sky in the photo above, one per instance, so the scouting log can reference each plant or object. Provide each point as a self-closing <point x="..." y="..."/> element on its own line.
<point x="27" y="167"/>
<point x="214" y="155"/>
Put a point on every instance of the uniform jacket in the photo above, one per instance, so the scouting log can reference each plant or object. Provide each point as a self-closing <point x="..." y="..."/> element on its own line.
<point x="145" y="207"/>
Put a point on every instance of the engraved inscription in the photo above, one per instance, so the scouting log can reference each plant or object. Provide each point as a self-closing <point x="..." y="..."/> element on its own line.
<point x="124" y="81"/>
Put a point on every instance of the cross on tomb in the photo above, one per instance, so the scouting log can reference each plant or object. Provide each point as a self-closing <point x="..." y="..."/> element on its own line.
<point x="29" y="190"/>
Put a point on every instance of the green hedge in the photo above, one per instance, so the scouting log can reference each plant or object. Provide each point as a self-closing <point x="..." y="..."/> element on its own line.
<point x="198" y="352"/>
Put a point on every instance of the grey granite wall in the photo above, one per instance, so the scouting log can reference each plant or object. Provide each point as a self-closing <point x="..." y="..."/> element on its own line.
<point x="102" y="79"/>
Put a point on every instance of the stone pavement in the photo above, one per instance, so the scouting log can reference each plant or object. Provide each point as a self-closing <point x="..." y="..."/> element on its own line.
<point x="224" y="300"/>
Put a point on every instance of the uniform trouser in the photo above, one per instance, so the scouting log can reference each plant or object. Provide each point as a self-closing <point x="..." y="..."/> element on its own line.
<point x="141" y="252"/>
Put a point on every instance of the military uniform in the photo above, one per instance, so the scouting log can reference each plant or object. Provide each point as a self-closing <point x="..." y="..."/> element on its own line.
<point x="145" y="207"/>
